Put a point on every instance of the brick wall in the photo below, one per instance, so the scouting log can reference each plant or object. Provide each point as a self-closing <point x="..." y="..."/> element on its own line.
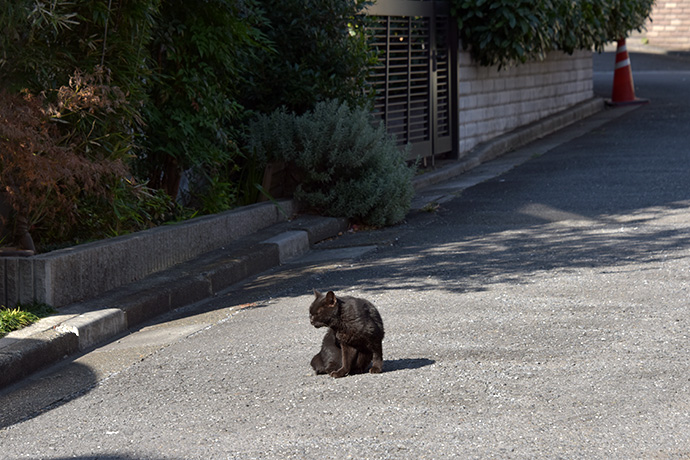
<point x="493" y="102"/>
<point x="670" y="25"/>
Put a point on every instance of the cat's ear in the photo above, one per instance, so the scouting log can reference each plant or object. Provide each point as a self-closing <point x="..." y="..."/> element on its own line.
<point x="317" y="294"/>
<point x="330" y="298"/>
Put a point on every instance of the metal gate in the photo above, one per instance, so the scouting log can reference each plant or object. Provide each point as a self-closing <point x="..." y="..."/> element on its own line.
<point x="415" y="82"/>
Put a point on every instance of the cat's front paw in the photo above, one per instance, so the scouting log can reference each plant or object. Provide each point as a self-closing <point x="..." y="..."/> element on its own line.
<point x="338" y="374"/>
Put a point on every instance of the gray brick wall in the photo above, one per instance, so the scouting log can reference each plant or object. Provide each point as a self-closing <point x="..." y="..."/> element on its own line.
<point x="670" y="25"/>
<point x="493" y="102"/>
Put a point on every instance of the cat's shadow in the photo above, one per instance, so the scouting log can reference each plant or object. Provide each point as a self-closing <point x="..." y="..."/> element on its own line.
<point x="406" y="363"/>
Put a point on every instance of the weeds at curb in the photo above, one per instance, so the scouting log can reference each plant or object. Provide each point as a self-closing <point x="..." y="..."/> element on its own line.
<point x="12" y="319"/>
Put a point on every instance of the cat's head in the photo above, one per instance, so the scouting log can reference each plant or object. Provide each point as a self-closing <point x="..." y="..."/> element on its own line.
<point x="322" y="309"/>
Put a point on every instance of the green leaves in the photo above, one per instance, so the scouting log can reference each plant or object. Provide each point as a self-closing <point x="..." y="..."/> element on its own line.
<point x="12" y="319"/>
<point x="165" y="88"/>
<point x="349" y="168"/>
<point x="320" y="53"/>
<point x="508" y="32"/>
<point x="194" y="118"/>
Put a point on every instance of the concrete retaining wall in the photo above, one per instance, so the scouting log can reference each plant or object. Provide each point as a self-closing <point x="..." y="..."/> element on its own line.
<point x="72" y="274"/>
<point x="493" y="102"/>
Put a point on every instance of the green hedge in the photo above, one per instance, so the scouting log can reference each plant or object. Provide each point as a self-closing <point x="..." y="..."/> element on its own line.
<point x="201" y="55"/>
<point x="506" y="32"/>
<point x="160" y="89"/>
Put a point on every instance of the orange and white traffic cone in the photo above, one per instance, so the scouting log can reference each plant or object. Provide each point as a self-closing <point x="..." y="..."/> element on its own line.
<point x="623" y="89"/>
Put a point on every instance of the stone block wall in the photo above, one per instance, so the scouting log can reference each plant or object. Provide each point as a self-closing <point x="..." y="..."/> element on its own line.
<point x="69" y="275"/>
<point x="493" y="102"/>
<point x="670" y="25"/>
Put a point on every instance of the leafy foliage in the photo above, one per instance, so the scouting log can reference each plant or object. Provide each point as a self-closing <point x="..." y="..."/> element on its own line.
<point x="61" y="182"/>
<point x="505" y="32"/>
<point x="21" y="316"/>
<point x="193" y="115"/>
<point x="13" y="319"/>
<point x="350" y="168"/>
<point x="65" y="154"/>
<point x="129" y="207"/>
<point x="321" y="53"/>
<point x="40" y="178"/>
<point x="134" y="95"/>
<point x="48" y="41"/>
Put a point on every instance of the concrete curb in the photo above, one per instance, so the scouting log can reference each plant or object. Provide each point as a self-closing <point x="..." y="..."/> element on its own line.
<point x="73" y="274"/>
<point x="83" y="325"/>
<point x="510" y="141"/>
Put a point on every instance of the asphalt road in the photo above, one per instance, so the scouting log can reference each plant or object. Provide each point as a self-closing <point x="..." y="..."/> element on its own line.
<point x="543" y="313"/>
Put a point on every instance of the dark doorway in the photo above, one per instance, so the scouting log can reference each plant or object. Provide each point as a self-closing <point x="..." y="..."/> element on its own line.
<point x="415" y="83"/>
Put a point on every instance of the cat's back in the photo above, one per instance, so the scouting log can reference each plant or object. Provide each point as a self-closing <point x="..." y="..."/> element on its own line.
<point x="361" y="313"/>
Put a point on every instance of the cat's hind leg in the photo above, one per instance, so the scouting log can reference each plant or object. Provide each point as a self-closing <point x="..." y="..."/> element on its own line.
<point x="317" y="364"/>
<point x="361" y="362"/>
<point x="377" y="360"/>
<point x="328" y="359"/>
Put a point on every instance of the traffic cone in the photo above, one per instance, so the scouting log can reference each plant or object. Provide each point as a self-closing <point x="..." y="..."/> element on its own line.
<point x="623" y="89"/>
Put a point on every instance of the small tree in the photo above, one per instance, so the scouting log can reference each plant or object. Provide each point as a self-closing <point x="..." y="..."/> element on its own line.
<point x="46" y="42"/>
<point x="68" y="177"/>
<point x="42" y="179"/>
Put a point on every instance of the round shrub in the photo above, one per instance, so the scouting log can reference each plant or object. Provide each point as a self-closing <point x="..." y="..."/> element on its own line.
<point x="349" y="167"/>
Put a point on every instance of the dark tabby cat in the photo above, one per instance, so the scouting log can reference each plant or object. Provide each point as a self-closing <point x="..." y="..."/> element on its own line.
<point x="353" y="340"/>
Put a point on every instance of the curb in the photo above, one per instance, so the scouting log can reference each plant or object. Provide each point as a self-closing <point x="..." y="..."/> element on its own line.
<point x="508" y="142"/>
<point x="81" y="326"/>
<point x="65" y="276"/>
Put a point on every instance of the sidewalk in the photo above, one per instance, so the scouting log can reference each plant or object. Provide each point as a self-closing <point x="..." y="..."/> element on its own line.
<point x="81" y="326"/>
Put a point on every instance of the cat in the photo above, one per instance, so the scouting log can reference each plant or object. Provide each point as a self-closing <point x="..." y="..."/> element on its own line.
<point x="329" y="359"/>
<point x="353" y="340"/>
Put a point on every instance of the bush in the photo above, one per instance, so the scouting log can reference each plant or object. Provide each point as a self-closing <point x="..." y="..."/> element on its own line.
<point x="64" y="156"/>
<point x="142" y="92"/>
<point x="45" y="43"/>
<point x="61" y="193"/>
<point x="350" y="168"/>
<point x="22" y="316"/>
<point x="505" y="32"/>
